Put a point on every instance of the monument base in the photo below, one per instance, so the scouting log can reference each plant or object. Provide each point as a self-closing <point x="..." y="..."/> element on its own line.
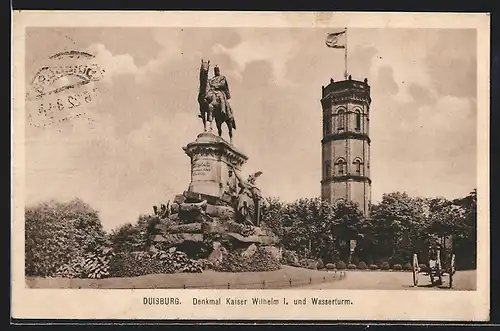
<point x="211" y="159"/>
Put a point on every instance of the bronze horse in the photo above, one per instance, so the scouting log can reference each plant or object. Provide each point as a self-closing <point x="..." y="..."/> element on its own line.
<point x="210" y="105"/>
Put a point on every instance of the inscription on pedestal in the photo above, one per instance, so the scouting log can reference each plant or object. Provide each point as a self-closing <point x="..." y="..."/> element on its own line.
<point x="201" y="170"/>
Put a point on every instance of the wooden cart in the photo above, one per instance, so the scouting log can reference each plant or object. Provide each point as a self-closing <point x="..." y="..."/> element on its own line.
<point x="441" y="264"/>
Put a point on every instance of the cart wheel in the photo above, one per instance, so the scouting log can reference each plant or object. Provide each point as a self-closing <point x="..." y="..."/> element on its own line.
<point x="452" y="270"/>
<point x="416" y="270"/>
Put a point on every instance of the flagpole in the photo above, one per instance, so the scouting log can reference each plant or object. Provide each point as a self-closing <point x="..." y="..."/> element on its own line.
<point x="345" y="54"/>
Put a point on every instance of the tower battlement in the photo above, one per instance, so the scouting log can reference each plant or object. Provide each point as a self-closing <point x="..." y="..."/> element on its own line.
<point x="346" y="86"/>
<point x="346" y="142"/>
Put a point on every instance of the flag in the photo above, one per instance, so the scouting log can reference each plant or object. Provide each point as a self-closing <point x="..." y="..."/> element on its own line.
<point x="332" y="40"/>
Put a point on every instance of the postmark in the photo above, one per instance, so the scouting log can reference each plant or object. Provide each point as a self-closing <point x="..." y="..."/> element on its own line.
<point x="63" y="90"/>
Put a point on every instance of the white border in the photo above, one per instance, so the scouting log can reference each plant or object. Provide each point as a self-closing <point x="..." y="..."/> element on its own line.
<point x="369" y="304"/>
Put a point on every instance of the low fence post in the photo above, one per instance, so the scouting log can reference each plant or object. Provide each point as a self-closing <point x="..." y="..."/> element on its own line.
<point x="228" y="286"/>
<point x="310" y="280"/>
<point x="263" y="284"/>
<point x="290" y="280"/>
<point x="184" y="286"/>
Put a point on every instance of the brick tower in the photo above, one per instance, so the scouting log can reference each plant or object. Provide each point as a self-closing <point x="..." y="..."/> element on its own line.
<point x="346" y="142"/>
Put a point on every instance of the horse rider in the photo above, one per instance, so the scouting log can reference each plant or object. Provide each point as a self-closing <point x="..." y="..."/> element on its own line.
<point x="218" y="84"/>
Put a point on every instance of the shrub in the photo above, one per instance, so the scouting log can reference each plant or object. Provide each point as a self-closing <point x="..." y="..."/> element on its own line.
<point x="128" y="238"/>
<point x="96" y="264"/>
<point x="261" y="260"/>
<point x="57" y="234"/>
<point x="407" y="266"/>
<point x="72" y="269"/>
<point x="397" y="267"/>
<point x="351" y="266"/>
<point x="385" y="266"/>
<point x="207" y="264"/>
<point x="320" y="265"/>
<point x="355" y="260"/>
<point x="308" y="263"/>
<point x="340" y="265"/>
<point x="138" y="264"/>
<point x="289" y="257"/>
<point x="373" y="267"/>
<point x="362" y="266"/>
<point x="330" y="266"/>
<point x="143" y="263"/>
<point x="312" y="265"/>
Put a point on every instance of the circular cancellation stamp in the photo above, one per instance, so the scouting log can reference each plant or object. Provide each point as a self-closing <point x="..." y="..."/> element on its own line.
<point x="63" y="90"/>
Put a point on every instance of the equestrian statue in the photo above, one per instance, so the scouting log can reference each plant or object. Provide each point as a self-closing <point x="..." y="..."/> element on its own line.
<point x="213" y="98"/>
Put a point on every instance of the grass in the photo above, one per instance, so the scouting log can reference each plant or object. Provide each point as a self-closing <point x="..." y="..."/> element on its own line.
<point x="208" y="279"/>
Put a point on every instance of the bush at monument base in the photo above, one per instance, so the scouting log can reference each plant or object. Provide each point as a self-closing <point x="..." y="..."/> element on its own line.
<point x="330" y="266"/>
<point x="290" y="258"/>
<point x="373" y="267"/>
<point x="261" y="260"/>
<point x="351" y="266"/>
<point x="362" y="266"/>
<point x="320" y="265"/>
<point x="397" y="267"/>
<point x="340" y="265"/>
<point x="143" y="263"/>
<point x="385" y="266"/>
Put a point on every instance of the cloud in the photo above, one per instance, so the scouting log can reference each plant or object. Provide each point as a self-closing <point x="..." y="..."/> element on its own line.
<point x="113" y="65"/>
<point x="261" y="47"/>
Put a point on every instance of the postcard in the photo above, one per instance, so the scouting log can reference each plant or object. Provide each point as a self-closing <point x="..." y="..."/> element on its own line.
<point x="250" y="166"/>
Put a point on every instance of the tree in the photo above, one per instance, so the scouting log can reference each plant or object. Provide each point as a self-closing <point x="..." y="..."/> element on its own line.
<point x="56" y="232"/>
<point x="457" y="220"/>
<point x="318" y="227"/>
<point x="349" y="224"/>
<point x="398" y="222"/>
<point x="131" y="238"/>
<point x="273" y="215"/>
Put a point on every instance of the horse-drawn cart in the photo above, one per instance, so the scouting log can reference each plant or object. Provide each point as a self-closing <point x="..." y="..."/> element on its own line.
<point x="441" y="264"/>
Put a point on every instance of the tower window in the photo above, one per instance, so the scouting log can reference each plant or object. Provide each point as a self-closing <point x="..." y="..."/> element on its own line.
<point x="357" y="166"/>
<point x="340" y="166"/>
<point x="327" y="169"/>
<point x="341" y="120"/>
<point x="358" y="121"/>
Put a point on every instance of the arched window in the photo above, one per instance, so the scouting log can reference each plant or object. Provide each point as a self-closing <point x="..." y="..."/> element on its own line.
<point x="328" y="169"/>
<point x="358" y="120"/>
<point x="340" y="167"/>
<point x="341" y="120"/>
<point x="357" y="166"/>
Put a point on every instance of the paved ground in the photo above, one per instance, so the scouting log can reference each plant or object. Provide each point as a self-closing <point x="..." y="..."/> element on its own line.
<point x="386" y="280"/>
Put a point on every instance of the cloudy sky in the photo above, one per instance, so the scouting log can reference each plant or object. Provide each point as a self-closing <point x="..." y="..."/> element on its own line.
<point x="124" y="154"/>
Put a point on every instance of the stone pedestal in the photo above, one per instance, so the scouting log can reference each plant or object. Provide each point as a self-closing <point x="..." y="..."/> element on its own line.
<point x="211" y="157"/>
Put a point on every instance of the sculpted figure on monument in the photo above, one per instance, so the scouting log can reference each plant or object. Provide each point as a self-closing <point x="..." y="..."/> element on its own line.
<point x="248" y="204"/>
<point x="232" y="190"/>
<point x="213" y="99"/>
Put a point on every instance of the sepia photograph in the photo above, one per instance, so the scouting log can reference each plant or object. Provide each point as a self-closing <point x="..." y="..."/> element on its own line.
<point x="313" y="159"/>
